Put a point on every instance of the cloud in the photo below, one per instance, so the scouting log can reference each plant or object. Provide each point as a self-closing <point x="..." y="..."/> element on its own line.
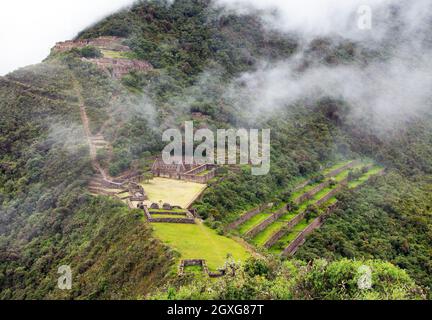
<point x="28" y="28"/>
<point x="392" y="87"/>
<point x="310" y="17"/>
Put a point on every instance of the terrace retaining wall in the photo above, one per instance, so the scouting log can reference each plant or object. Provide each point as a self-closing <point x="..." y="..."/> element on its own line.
<point x="275" y="238"/>
<point x="274" y="216"/>
<point x="301" y="238"/>
<point x="278" y="235"/>
<point x="187" y="220"/>
<point x="203" y="264"/>
<point x="308" y="195"/>
<point x="248" y="215"/>
<point x="328" y="175"/>
<point x="343" y="168"/>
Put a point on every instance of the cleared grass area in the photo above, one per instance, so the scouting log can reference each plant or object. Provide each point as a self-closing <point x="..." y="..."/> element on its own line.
<point x="252" y="222"/>
<point x="174" y="192"/>
<point x="335" y="166"/>
<point x="193" y="269"/>
<point x="202" y="174"/>
<point x="115" y="54"/>
<point x="262" y="237"/>
<point x="375" y="170"/>
<point x="338" y="178"/>
<point x="196" y="241"/>
<point x="290" y="236"/>
<point x="266" y="234"/>
<point x="256" y="220"/>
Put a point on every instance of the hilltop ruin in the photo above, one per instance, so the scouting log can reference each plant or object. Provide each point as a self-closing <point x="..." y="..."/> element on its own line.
<point x="116" y="67"/>
<point x="104" y="43"/>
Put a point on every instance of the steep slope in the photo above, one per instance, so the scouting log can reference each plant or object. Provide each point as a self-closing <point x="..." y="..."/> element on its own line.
<point x="200" y="58"/>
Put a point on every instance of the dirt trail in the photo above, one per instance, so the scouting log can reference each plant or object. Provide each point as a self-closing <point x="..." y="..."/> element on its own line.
<point x="87" y="131"/>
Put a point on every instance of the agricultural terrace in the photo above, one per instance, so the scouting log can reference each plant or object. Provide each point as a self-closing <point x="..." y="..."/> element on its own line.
<point x="196" y="241"/>
<point x="266" y="226"/>
<point x="175" y="192"/>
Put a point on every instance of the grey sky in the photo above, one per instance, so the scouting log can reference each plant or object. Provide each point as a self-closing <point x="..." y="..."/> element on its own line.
<point x="29" y="28"/>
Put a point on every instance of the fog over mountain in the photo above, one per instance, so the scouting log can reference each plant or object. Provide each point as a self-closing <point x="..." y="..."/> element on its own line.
<point x="394" y="86"/>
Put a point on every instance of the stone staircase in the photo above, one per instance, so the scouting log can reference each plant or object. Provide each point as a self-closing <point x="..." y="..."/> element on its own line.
<point x="99" y="142"/>
<point x="98" y="185"/>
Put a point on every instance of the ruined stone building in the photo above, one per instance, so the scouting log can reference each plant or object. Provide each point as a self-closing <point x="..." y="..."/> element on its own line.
<point x="199" y="173"/>
<point x="107" y="43"/>
<point x="117" y="68"/>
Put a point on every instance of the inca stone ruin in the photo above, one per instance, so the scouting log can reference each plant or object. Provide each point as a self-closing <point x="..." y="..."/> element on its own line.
<point x="115" y="67"/>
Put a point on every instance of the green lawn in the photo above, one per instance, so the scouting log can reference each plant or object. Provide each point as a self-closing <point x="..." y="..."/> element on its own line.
<point x="375" y="170"/>
<point x="196" y="241"/>
<point x="202" y="174"/>
<point x="261" y="238"/>
<point x="115" y="54"/>
<point x="193" y="269"/>
<point x="338" y="178"/>
<point x="252" y="222"/>
<point x="335" y="166"/>
<point x="290" y="236"/>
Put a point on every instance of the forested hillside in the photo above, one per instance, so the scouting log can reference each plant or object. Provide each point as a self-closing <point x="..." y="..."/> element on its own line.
<point x="201" y="58"/>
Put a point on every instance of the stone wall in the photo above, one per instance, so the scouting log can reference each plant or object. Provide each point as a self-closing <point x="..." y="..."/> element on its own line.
<point x="171" y="213"/>
<point x="328" y="175"/>
<point x="274" y="216"/>
<point x="308" y="195"/>
<point x="193" y="175"/>
<point x="136" y="192"/>
<point x="285" y="229"/>
<point x="301" y="238"/>
<point x="118" y="68"/>
<point x="332" y="193"/>
<point x="301" y="215"/>
<point x="248" y="215"/>
<point x="108" y="43"/>
<point x="186" y="220"/>
<point x="203" y="265"/>
<point x="341" y="169"/>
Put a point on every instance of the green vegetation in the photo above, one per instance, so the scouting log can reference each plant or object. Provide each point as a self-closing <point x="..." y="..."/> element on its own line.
<point x="47" y="217"/>
<point x="115" y="54"/>
<point x="393" y="227"/>
<point x="261" y="238"/>
<point x="196" y="241"/>
<point x="89" y="52"/>
<point x="258" y="280"/>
